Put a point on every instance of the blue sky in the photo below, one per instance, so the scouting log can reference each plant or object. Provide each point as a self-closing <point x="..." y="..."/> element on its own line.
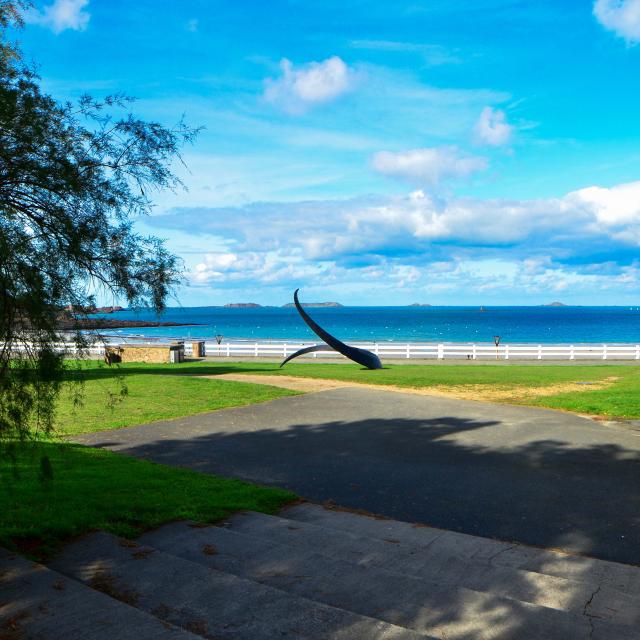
<point x="483" y="152"/>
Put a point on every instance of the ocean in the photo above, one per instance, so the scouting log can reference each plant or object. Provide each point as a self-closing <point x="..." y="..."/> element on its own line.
<point x="543" y="325"/>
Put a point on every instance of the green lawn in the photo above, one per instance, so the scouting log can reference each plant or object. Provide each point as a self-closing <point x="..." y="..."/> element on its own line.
<point x="421" y="375"/>
<point x="95" y="489"/>
<point x="153" y="392"/>
<point x="538" y="385"/>
<point x="620" y="400"/>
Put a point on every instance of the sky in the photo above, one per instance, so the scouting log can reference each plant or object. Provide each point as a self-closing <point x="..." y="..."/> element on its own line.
<point x="379" y="153"/>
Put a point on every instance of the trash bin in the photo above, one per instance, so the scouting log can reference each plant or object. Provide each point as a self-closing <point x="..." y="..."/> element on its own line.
<point x="178" y="346"/>
<point x="197" y="349"/>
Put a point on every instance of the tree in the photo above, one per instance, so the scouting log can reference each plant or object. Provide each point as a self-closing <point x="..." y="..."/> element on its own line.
<point x="73" y="178"/>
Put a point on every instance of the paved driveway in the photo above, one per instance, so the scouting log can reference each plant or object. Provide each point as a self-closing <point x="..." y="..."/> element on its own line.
<point x="513" y="473"/>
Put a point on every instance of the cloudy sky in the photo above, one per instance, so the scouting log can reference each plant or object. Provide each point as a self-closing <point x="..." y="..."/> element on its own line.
<point x="469" y="152"/>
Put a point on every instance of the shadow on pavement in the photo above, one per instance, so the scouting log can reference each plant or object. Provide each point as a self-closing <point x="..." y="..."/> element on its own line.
<point x="549" y="492"/>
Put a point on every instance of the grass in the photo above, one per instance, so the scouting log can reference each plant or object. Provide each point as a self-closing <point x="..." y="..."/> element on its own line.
<point x="620" y="400"/>
<point x="164" y="391"/>
<point x="421" y="375"/>
<point x="153" y="392"/>
<point x="614" y="390"/>
<point x="96" y="489"/>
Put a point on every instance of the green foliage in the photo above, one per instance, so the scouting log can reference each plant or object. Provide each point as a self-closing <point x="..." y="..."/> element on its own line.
<point x="153" y="392"/>
<point x="73" y="178"/>
<point x="95" y="489"/>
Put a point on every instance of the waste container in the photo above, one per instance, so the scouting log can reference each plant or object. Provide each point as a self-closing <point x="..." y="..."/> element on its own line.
<point x="197" y="349"/>
<point x="178" y="347"/>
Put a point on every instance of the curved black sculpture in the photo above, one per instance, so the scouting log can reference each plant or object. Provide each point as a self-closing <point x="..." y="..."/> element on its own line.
<point x="361" y="356"/>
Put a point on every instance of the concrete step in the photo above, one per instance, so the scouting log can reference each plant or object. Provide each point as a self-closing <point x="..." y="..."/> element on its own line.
<point x="621" y="577"/>
<point x="438" y="565"/>
<point x="37" y="603"/>
<point x="439" y="608"/>
<point x="212" y="603"/>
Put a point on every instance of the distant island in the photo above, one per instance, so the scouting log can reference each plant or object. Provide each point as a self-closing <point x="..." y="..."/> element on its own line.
<point x="312" y="304"/>
<point x="555" y="304"/>
<point x="242" y="305"/>
<point x="419" y="304"/>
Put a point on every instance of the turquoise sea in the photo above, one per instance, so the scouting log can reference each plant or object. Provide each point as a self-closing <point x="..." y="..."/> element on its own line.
<point x="412" y="324"/>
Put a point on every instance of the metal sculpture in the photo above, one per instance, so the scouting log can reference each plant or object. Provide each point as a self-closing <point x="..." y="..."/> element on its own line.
<point x="361" y="356"/>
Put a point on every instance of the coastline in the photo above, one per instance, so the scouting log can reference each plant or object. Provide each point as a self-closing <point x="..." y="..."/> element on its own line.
<point x="103" y="323"/>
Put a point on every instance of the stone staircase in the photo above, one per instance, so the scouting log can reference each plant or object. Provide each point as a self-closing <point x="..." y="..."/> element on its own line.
<point x="314" y="573"/>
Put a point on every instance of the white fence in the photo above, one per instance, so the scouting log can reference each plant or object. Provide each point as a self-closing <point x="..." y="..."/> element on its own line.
<point x="402" y="350"/>
<point x="435" y="351"/>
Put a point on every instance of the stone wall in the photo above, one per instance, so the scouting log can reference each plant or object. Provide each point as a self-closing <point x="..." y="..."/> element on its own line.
<point x="145" y="353"/>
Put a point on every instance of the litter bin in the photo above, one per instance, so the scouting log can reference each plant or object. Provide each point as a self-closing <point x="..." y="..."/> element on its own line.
<point x="197" y="349"/>
<point x="178" y="347"/>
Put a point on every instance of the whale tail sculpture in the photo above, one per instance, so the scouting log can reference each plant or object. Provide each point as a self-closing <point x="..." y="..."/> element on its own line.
<point x="361" y="356"/>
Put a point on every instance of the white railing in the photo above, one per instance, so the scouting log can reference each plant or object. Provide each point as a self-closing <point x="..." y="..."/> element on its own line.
<point x="69" y="348"/>
<point x="396" y="350"/>
<point x="435" y="351"/>
<point x="392" y="350"/>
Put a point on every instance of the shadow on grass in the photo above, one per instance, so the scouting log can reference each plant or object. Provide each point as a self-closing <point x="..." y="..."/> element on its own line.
<point x="96" y="489"/>
<point x="105" y="372"/>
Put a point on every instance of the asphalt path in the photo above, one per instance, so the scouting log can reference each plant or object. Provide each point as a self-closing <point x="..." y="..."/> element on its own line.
<point x="520" y="474"/>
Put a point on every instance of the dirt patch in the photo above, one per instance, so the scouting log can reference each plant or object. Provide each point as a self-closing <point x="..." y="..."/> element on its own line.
<point x="480" y="392"/>
<point x="106" y="582"/>
<point x="293" y="383"/>
<point x="128" y="544"/>
<point x="199" y="627"/>
<point x="162" y="611"/>
<point x="510" y="394"/>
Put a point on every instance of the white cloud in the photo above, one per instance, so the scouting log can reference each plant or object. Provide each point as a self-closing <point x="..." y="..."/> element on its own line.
<point x="221" y="265"/>
<point x="61" y="15"/>
<point x="492" y="128"/>
<point x="274" y="275"/>
<point x="473" y="222"/>
<point x="315" y="83"/>
<point x="619" y="205"/>
<point x="332" y="229"/>
<point x="258" y="267"/>
<point x="584" y="241"/>
<point x="429" y="166"/>
<point x="620" y="16"/>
